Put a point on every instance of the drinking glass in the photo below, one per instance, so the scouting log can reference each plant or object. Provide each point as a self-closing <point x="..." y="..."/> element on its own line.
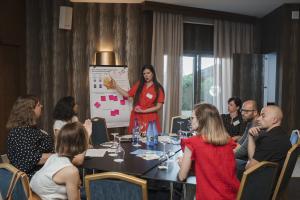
<point x="115" y="143"/>
<point x="164" y="158"/>
<point x="136" y="137"/>
<point x="180" y="130"/>
<point x="120" y="154"/>
<point x="142" y="126"/>
<point x="190" y="128"/>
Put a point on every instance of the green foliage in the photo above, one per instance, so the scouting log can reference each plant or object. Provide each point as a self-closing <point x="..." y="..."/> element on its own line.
<point x="187" y="92"/>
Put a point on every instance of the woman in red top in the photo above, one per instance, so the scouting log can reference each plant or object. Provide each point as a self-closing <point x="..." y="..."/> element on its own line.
<point x="212" y="152"/>
<point x="148" y="98"/>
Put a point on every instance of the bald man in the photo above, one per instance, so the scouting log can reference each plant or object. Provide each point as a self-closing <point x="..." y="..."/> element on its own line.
<point x="272" y="143"/>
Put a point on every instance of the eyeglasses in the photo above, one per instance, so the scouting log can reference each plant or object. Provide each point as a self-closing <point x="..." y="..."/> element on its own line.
<point x="244" y="110"/>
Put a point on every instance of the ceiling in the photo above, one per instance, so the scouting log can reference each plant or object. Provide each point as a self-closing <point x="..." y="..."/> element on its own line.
<point x="256" y="8"/>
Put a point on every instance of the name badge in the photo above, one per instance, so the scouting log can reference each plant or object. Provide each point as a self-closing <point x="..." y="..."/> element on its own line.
<point x="149" y="96"/>
<point x="235" y="123"/>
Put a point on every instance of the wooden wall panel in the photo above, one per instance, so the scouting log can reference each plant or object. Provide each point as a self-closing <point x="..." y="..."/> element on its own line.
<point x="248" y="77"/>
<point x="281" y="34"/>
<point x="57" y="63"/>
<point x="289" y="64"/>
<point x="12" y="60"/>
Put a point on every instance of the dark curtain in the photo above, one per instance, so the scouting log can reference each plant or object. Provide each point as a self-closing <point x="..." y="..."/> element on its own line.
<point x="198" y="38"/>
<point x="248" y="77"/>
<point x="57" y="60"/>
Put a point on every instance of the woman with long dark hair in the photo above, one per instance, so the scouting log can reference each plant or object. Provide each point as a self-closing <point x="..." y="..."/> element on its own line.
<point x="65" y="111"/>
<point x="148" y="98"/>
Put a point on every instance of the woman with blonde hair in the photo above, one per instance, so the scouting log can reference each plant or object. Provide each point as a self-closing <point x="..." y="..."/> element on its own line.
<point x="28" y="146"/>
<point x="59" y="178"/>
<point x="212" y="152"/>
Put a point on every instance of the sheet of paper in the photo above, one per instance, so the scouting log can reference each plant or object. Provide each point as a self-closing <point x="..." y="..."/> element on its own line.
<point x="95" y="152"/>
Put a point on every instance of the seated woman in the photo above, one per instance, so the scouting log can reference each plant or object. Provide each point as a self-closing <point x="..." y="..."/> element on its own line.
<point x="212" y="152"/>
<point x="28" y="146"/>
<point x="65" y="111"/>
<point x="233" y="121"/>
<point x="59" y="178"/>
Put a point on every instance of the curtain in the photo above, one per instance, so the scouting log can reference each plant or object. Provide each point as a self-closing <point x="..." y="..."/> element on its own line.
<point x="57" y="60"/>
<point x="167" y="44"/>
<point x="229" y="38"/>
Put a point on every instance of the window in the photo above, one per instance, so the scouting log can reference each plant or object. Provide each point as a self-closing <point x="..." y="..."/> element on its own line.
<point x="197" y="81"/>
<point x="197" y="65"/>
<point x="187" y="85"/>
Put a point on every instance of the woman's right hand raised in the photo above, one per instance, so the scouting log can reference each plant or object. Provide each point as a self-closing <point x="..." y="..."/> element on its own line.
<point x="114" y="83"/>
<point x="88" y="126"/>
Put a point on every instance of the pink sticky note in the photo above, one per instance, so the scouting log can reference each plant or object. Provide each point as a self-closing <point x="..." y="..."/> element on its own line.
<point x="112" y="113"/>
<point x="97" y="104"/>
<point x="122" y="102"/>
<point x="117" y="112"/>
<point x="111" y="97"/>
<point x="115" y="98"/>
<point x="103" y="98"/>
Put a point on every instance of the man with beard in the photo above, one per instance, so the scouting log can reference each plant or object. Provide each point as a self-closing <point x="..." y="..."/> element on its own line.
<point x="249" y="114"/>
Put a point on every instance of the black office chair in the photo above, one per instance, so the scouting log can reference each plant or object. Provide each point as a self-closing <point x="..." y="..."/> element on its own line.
<point x="99" y="131"/>
<point x="175" y="126"/>
<point x="115" y="186"/>
<point x="258" y="181"/>
<point x="286" y="172"/>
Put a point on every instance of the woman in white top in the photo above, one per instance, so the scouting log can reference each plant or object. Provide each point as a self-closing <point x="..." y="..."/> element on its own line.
<point x="65" y="111"/>
<point x="59" y="178"/>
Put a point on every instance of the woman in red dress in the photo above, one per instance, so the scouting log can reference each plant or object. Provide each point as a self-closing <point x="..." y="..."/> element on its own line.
<point x="212" y="152"/>
<point x="148" y="98"/>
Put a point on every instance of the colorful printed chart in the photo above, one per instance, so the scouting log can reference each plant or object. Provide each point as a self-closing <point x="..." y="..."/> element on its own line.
<point x="106" y="102"/>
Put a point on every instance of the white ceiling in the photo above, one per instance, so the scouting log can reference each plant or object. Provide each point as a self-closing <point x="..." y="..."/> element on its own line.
<point x="256" y="8"/>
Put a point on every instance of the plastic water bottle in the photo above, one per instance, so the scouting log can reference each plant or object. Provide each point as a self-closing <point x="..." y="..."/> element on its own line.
<point x="155" y="133"/>
<point x="150" y="134"/>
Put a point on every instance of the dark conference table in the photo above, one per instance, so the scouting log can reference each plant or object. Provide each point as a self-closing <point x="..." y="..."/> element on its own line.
<point x="132" y="164"/>
<point x="136" y="166"/>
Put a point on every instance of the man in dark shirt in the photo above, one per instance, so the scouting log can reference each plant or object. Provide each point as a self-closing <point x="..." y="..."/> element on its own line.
<point x="272" y="144"/>
<point x="250" y="114"/>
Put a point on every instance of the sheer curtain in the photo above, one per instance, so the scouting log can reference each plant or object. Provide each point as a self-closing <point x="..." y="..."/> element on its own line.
<point x="167" y="42"/>
<point x="229" y="38"/>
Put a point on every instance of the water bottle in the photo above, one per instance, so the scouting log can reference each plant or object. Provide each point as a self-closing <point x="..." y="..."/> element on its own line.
<point x="150" y="134"/>
<point x="135" y="133"/>
<point x="155" y="133"/>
